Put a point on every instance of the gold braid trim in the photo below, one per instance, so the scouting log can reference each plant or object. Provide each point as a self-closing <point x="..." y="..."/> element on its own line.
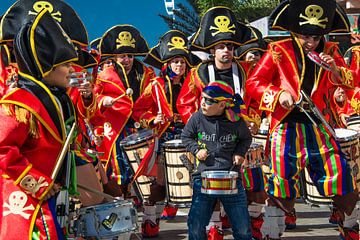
<point x="21" y="116"/>
<point x="276" y="55"/>
<point x="192" y="85"/>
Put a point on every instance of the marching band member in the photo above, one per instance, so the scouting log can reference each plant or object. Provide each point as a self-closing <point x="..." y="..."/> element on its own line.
<point x="36" y="116"/>
<point x="219" y="34"/>
<point x="220" y="41"/>
<point x="89" y="170"/>
<point x="116" y="106"/>
<point x="284" y="74"/>
<point x="156" y="109"/>
<point x="219" y="138"/>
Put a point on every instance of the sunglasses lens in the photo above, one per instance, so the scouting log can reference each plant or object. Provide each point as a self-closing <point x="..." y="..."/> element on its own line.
<point x="209" y="101"/>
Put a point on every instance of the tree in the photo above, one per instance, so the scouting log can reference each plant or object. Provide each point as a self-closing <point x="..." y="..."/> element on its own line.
<point x="186" y="19"/>
<point x="245" y="10"/>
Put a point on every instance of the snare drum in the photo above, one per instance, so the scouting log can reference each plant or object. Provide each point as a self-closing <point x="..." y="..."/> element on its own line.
<point x="106" y="220"/>
<point x="219" y="182"/>
<point x="179" y="192"/>
<point x="255" y="155"/>
<point x="135" y="146"/>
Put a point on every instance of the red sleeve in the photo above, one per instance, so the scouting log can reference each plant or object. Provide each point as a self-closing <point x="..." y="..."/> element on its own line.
<point x="188" y="100"/>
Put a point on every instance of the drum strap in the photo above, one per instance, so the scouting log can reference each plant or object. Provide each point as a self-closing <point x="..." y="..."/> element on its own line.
<point x="235" y="75"/>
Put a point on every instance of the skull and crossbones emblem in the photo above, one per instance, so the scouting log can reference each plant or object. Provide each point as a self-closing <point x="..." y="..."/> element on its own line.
<point x="125" y="39"/>
<point x="222" y="24"/>
<point x="40" y="5"/>
<point x="313" y="14"/>
<point x="16" y="205"/>
<point x="30" y="184"/>
<point x="108" y="132"/>
<point x="269" y="98"/>
<point x="177" y="43"/>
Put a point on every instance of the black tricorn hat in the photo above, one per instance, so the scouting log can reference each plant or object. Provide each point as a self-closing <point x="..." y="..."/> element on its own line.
<point x="24" y="10"/>
<point x="172" y="44"/>
<point x="123" y="39"/>
<point x="85" y="59"/>
<point x="309" y="17"/>
<point x="95" y="44"/>
<point x="219" y="24"/>
<point x="42" y="45"/>
<point x="259" y="45"/>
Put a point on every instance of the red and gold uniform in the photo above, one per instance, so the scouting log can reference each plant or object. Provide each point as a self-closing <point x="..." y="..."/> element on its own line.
<point x="30" y="146"/>
<point x="266" y="85"/>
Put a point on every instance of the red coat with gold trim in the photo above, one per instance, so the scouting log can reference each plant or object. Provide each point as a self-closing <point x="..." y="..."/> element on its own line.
<point x="188" y="101"/>
<point x="30" y="145"/>
<point x="109" y="84"/>
<point x="115" y="118"/>
<point x="146" y="107"/>
<point x="277" y="71"/>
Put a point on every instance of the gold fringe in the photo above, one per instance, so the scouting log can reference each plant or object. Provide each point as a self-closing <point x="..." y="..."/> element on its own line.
<point x="33" y="127"/>
<point x="21" y="116"/>
<point x="7" y="110"/>
<point x="148" y="89"/>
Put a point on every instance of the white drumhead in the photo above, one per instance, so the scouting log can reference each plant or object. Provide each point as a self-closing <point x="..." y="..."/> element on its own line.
<point x="347" y="134"/>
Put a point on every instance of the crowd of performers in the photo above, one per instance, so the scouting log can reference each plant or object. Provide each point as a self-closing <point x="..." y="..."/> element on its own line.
<point x="92" y="127"/>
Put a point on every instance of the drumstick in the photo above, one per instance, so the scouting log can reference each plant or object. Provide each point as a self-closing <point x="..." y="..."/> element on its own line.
<point x="107" y="196"/>
<point x="155" y="83"/>
<point x="129" y="92"/>
<point x="64" y="151"/>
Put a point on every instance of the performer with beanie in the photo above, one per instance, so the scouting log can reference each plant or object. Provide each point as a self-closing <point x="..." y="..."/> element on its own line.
<point x="286" y="75"/>
<point x="219" y="137"/>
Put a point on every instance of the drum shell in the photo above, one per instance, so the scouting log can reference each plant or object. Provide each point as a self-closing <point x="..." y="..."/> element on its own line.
<point x="179" y="192"/>
<point x="92" y="219"/>
<point x="219" y="182"/>
<point x="137" y="148"/>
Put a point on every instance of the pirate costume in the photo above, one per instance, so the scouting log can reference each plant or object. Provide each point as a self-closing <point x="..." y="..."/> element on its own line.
<point x="37" y="117"/>
<point x="162" y="91"/>
<point x="295" y="141"/>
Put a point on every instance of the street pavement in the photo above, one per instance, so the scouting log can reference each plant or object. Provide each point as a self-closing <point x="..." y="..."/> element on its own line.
<point x="312" y="224"/>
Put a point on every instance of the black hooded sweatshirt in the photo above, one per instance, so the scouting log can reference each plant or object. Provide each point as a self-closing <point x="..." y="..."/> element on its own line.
<point x="222" y="138"/>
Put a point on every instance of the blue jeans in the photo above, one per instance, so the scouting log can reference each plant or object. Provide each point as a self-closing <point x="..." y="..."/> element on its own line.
<point x="202" y="206"/>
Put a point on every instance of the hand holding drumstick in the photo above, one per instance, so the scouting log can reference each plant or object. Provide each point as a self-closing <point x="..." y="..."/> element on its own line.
<point x="109" y="101"/>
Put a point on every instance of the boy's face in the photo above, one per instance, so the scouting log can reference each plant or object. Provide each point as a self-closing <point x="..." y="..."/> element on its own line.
<point x="211" y="107"/>
<point x="60" y="75"/>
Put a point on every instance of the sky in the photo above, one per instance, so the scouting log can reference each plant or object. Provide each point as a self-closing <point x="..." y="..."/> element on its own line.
<point x="100" y="15"/>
